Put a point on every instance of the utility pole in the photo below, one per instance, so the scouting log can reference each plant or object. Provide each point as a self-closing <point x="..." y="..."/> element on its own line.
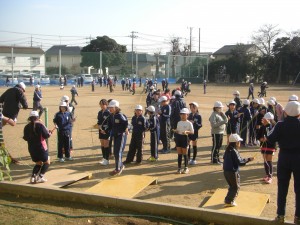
<point x="132" y="37"/>
<point x="31" y="41"/>
<point x="191" y="29"/>
<point x="199" y="41"/>
<point x="12" y="64"/>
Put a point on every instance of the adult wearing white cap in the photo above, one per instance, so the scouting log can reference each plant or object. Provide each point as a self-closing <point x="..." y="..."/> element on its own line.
<point x="35" y="133"/>
<point x="245" y="118"/>
<point x="11" y="99"/>
<point x="287" y="134"/>
<point x="293" y="98"/>
<point x="237" y="99"/>
<point x="218" y="122"/>
<point x="278" y="110"/>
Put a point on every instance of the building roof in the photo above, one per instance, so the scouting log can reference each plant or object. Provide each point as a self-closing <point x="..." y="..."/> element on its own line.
<point x="143" y="57"/>
<point x="65" y="50"/>
<point x="21" y="50"/>
<point x="227" y="49"/>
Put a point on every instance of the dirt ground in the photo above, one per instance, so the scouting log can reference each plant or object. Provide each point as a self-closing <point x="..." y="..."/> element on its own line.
<point x="192" y="189"/>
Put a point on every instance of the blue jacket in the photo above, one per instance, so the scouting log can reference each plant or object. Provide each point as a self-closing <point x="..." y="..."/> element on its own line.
<point x="234" y="119"/>
<point x="246" y="116"/>
<point x="118" y="124"/>
<point x="153" y="123"/>
<point x="196" y="120"/>
<point x="63" y="121"/>
<point x="287" y="134"/>
<point x="37" y="96"/>
<point x="165" y="114"/>
<point x="103" y="119"/>
<point x="139" y="124"/>
<point x="233" y="160"/>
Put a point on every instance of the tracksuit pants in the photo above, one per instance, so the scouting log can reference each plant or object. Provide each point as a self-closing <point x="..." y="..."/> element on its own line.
<point x="165" y="135"/>
<point x="233" y="180"/>
<point x="63" y="142"/>
<point x="136" y="146"/>
<point x="217" y="144"/>
<point x="119" y="146"/>
<point x="154" y="138"/>
<point x="243" y="131"/>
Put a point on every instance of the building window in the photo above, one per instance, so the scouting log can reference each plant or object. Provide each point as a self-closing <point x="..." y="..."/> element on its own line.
<point x="9" y="61"/>
<point x="35" y="60"/>
<point x="48" y="59"/>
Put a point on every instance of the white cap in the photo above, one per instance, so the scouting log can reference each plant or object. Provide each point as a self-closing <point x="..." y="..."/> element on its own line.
<point x="236" y="93"/>
<point x="265" y="82"/>
<point x="113" y="103"/>
<point x="163" y="98"/>
<point x="274" y="99"/>
<point x="190" y="83"/>
<point x="138" y="107"/>
<point x="269" y="116"/>
<point x="204" y="80"/>
<point x="256" y="100"/>
<point x="34" y="113"/>
<point x="151" y="108"/>
<point x="184" y="111"/>
<point x="65" y="98"/>
<point x="173" y="97"/>
<point x="251" y="84"/>
<point x="293" y="98"/>
<point x="232" y="102"/>
<point x="194" y="103"/>
<point x="177" y="92"/>
<point x="261" y="101"/>
<point x="292" y="108"/>
<point x="271" y="102"/>
<point x="235" y="138"/>
<point x="74" y="86"/>
<point x="218" y="104"/>
<point x="22" y="85"/>
<point x="152" y="87"/>
<point x="37" y="86"/>
<point x="63" y="104"/>
<point x="246" y="102"/>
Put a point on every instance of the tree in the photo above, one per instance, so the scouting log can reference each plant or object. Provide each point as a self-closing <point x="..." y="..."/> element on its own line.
<point x="112" y="53"/>
<point x="175" y="50"/>
<point x="264" y="38"/>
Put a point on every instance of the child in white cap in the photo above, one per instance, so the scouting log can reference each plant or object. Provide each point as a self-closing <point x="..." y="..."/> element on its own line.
<point x="154" y="133"/>
<point x="231" y="165"/>
<point x="183" y="129"/>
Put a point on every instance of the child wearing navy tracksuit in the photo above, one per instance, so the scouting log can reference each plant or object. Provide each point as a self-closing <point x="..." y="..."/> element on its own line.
<point x="118" y="124"/>
<point x="233" y="119"/>
<point x="245" y="117"/>
<point x="231" y="164"/>
<point x="154" y="133"/>
<point x="165" y="126"/>
<point x="139" y="126"/>
<point x="63" y="120"/>
<point x="196" y="119"/>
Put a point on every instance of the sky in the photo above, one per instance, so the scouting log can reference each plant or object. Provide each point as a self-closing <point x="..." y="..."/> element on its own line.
<point x="73" y="22"/>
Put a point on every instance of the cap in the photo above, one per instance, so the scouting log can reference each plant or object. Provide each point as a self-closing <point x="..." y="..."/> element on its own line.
<point x="271" y="102"/>
<point x="177" y="92"/>
<point x="269" y="116"/>
<point x="173" y="97"/>
<point x="218" y="104"/>
<point x="292" y="108"/>
<point x="232" y="102"/>
<point x="34" y="113"/>
<point x="256" y="101"/>
<point x="113" y="103"/>
<point x="194" y="103"/>
<point x="37" y="86"/>
<point x="163" y="98"/>
<point x="190" y="83"/>
<point x="293" y="98"/>
<point x="151" y="108"/>
<point x="251" y="84"/>
<point x="22" y="85"/>
<point x="236" y="93"/>
<point x="65" y="98"/>
<point x="184" y="111"/>
<point x="152" y="87"/>
<point x="74" y="86"/>
<point x="204" y="80"/>
<point x="273" y="98"/>
<point x="235" y="138"/>
<point x="246" y="102"/>
<point x="64" y="104"/>
<point x="138" y="107"/>
<point x="262" y="101"/>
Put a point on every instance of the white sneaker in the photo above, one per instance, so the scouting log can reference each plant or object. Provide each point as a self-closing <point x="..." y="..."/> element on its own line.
<point x="33" y="179"/>
<point x="186" y="170"/>
<point x="193" y="162"/>
<point x="41" y="179"/>
<point x="69" y="159"/>
<point x="61" y="160"/>
<point x="104" y="162"/>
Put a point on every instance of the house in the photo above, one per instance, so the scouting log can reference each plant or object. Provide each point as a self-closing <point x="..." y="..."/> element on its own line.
<point x="70" y="58"/>
<point x="226" y="51"/>
<point x="22" y="60"/>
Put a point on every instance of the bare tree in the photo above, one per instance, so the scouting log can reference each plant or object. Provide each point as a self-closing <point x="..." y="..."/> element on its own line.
<point x="265" y="36"/>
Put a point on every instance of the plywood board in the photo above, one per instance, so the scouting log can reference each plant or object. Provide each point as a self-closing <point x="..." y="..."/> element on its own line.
<point x="123" y="186"/>
<point x="248" y="203"/>
<point x="61" y="178"/>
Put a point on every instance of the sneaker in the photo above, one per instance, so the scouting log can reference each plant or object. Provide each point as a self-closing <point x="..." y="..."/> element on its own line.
<point x="114" y="173"/>
<point x="33" y="179"/>
<point x="179" y="171"/>
<point x="265" y="178"/>
<point x="126" y="162"/>
<point x="186" y="170"/>
<point x="121" y="169"/>
<point x="69" y="159"/>
<point x="279" y="219"/>
<point x="150" y="158"/>
<point x="41" y="179"/>
<point x="268" y="180"/>
<point x="193" y="162"/>
<point x="231" y="204"/>
<point x="104" y="162"/>
<point x="166" y="151"/>
<point x="61" y="160"/>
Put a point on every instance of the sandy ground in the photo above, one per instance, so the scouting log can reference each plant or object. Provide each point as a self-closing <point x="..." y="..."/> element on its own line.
<point x="191" y="189"/>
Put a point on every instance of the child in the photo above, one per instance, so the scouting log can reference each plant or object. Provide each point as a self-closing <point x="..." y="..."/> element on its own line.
<point x="103" y="118"/>
<point x="73" y="93"/>
<point x="165" y="126"/>
<point x="154" y="133"/>
<point x="267" y="148"/>
<point x="118" y="124"/>
<point x="245" y="117"/>
<point x="187" y="88"/>
<point x="231" y="164"/>
<point x="37" y="97"/>
<point x="183" y="129"/>
<point x="237" y="100"/>
<point x="139" y="126"/>
<point x="196" y="119"/>
<point x="35" y="133"/>
<point x="233" y="119"/>
<point x="63" y="120"/>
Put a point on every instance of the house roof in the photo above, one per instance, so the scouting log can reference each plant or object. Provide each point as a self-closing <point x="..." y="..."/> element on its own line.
<point x="143" y="57"/>
<point x="21" y="50"/>
<point x="65" y="50"/>
<point x="227" y="49"/>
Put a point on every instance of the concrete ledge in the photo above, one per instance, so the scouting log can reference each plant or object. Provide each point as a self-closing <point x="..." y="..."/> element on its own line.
<point x="144" y="207"/>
